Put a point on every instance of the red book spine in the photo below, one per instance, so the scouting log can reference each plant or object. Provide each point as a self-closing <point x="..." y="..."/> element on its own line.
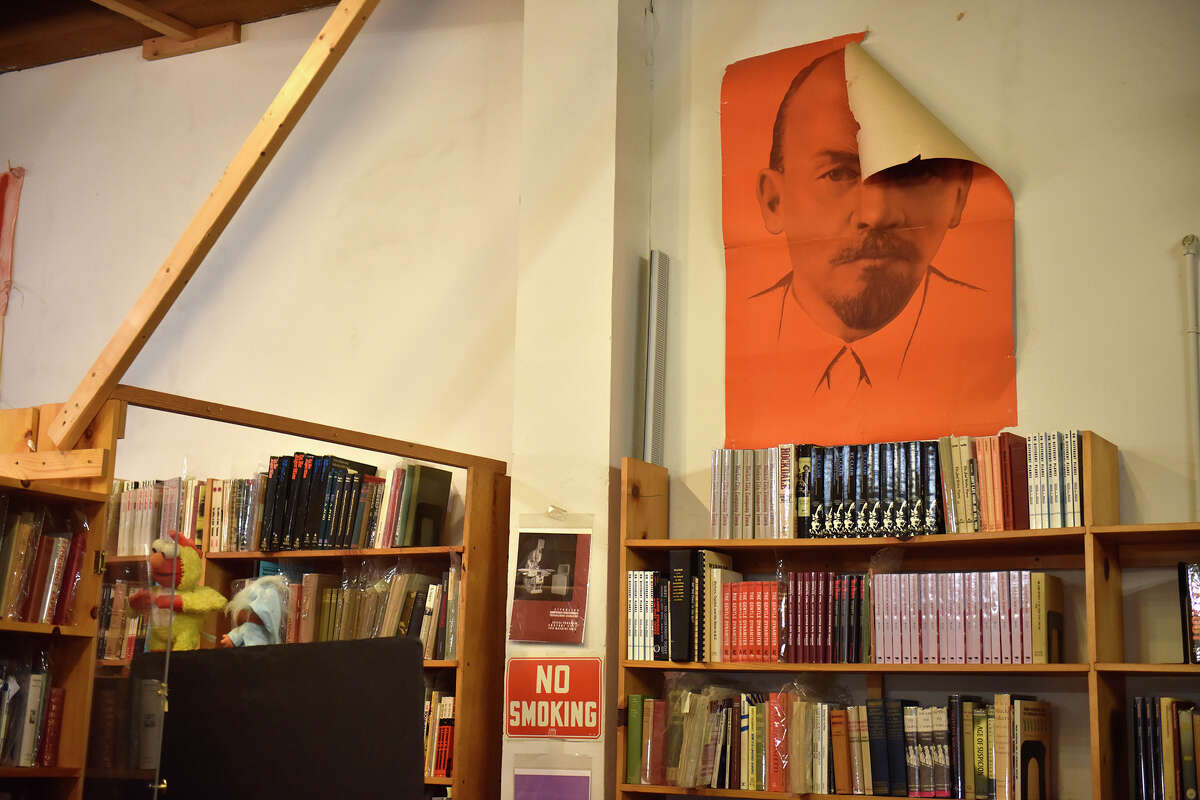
<point x="51" y="727"/>
<point x="70" y="582"/>
<point x="1016" y="477"/>
<point x="757" y="624"/>
<point x="739" y="621"/>
<point x="445" y="748"/>
<point x="793" y="617"/>
<point x="726" y="621"/>
<point x="773" y="623"/>
<point x="777" y="742"/>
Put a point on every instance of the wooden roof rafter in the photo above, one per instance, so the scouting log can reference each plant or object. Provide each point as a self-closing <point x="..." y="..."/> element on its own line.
<point x="178" y="37"/>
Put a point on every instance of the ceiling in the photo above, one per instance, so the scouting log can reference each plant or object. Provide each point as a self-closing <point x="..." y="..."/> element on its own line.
<point x="36" y="32"/>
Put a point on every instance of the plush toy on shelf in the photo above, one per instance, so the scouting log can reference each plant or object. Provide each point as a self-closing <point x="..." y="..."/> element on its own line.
<point x="258" y="612"/>
<point x="175" y="603"/>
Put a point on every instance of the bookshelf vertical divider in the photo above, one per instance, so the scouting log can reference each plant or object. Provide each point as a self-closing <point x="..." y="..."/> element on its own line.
<point x="1098" y="549"/>
<point x="478" y="683"/>
<point x="72" y="648"/>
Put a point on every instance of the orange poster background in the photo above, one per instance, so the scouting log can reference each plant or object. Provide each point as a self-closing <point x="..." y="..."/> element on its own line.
<point x="958" y="372"/>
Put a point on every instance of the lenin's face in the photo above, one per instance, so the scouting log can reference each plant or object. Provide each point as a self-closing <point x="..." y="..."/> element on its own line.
<point x="859" y="249"/>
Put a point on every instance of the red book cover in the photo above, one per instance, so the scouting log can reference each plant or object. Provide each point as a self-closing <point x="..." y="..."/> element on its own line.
<point x="51" y="727"/>
<point x="445" y="748"/>
<point x="70" y="581"/>
<point x="550" y="583"/>
<point x="656" y="770"/>
<point x="777" y="742"/>
<point x="758" y="622"/>
<point x="773" y="623"/>
<point x="824" y="619"/>
<point x="739" y="618"/>
<point x="1014" y="481"/>
<point x="726" y="621"/>
<point x="793" y="617"/>
<point x="38" y="577"/>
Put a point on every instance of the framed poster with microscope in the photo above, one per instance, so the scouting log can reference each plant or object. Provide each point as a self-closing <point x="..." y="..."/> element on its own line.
<point x="550" y="585"/>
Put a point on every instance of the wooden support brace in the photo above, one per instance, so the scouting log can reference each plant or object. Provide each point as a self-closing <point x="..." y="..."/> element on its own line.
<point x="54" y="465"/>
<point x="209" y="38"/>
<point x="239" y="178"/>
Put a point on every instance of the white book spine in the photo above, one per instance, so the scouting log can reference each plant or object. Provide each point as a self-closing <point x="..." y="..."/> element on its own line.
<point x="898" y="616"/>
<point x="960" y="618"/>
<point x="1014" y="616"/>
<point x="787" y="491"/>
<point x="631" y="632"/>
<point x="1076" y="495"/>
<point x="1026" y="617"/>
<point x="1054" y="482"/>
<point x="973" y="640"/>
<point x="726" y="492"/>
<point x="737" y="494"/>
<point x="1002" y="598"/>
<point x="774" y="520"/>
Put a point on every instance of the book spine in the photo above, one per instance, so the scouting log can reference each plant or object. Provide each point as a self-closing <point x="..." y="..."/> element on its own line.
<point x="877" y="737"/>
<point x="681" y="563"/>
<point x="633" y="739"/>
<point x="896" y="748"/>
<point x="714" y="498"/>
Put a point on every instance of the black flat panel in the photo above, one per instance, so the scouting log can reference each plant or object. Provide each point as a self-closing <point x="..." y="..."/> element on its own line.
<point x="330" y="719"/>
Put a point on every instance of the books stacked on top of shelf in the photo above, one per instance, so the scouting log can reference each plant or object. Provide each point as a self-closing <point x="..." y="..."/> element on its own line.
<point x="789" y="741"/>
<point x="41" y="557"/>
<point x="1166" y="741"/>
<point x="439" y="733"/>
<point x="31" y="712"/>
<point x="955" y="484"/>
<point x="368" y="602"/>
<point x="703" y="610"/>
<point x="1189" y="611"/>
<point x="120" y="634"/>
<point x="302" y="502"/>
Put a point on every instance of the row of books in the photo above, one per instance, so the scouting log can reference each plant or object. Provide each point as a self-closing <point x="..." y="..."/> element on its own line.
<point x="439" y="734"/>
<point x="954" y="484"/>
<point x="362" y="605"/>
<point x="302" y="502"/>
<point x="1189" y="611"/>
<point x="119" y="633"/>
<point x="722" y="738"/>
<point x="803" y="490"/>
<point x="41" y="555"/>
<point x="704" y="610"/>
<point x="1166" y="741"/>
<point x="126" y="725"/>
<point x="31" y="712"/>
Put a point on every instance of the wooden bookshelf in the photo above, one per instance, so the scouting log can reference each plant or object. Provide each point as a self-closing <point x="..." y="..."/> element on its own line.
<point x="477" y="682"/>
<point x="71" y="648"/>
<point x="1100" y="548"/>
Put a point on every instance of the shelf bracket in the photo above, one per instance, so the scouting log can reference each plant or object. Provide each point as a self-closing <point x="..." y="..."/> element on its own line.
<point x="178" y="37"/>
<point x="54" y="464"/>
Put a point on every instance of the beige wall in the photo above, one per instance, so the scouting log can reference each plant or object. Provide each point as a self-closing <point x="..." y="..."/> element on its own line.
<point x="1090" y="114"/>
<point x="362" y="284"/>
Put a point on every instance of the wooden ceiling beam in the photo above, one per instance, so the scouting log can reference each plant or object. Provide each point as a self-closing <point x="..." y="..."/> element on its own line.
<point x="152" y="18"/>
<point x="205" y="228"/>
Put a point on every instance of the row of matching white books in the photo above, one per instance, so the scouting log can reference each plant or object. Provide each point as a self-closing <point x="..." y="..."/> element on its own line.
<point x="998" y="617"/>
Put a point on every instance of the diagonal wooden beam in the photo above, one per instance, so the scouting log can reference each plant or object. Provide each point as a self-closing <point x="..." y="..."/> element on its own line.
<point x="151" y="17"/>
<point x="202" y="233"/>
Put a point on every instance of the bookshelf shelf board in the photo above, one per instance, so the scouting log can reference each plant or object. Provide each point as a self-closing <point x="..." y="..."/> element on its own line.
<point x="431" y="781"/>
<point x="1036" y="538"/>
<point x="96" y="773"/>
<point x="1154" y="545"/>
<point x="443" y="664"/>
<point x="112" y="561"/>
<point x="1151" y="669"/>
<point x="113" y="662"/>
<point x="283" y="555"/>
<point x="985" y="669"/>
<point x="47" y="490"/>
<point x="44" y="628"/>
<point x="39" y="772"/>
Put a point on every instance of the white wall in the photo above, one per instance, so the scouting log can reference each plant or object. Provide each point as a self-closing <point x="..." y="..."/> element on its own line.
<point x="1090" y="114"/>
<point x="369" y="279"/>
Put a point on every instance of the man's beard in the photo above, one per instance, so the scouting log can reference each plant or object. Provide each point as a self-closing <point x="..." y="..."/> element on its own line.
<point x="885" y="293"/>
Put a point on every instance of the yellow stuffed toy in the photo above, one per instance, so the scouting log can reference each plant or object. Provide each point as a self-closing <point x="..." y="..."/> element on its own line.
<point x="176" y="614"/>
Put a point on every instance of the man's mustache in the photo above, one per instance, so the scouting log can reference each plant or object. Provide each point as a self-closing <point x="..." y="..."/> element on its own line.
<point x="876" y="246"/>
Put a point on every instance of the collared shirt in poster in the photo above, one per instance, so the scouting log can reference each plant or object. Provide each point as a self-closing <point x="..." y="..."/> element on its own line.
<point x="550" y="585"/>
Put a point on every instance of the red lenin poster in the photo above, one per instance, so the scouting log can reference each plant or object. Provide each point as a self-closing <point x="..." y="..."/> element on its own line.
<point x="868" y="256"/>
